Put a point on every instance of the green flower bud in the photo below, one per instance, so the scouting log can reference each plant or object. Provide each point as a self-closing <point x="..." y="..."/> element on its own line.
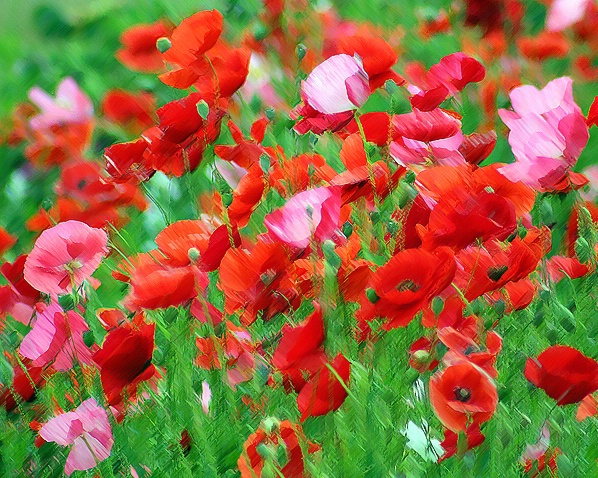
<point x="163" y="44"/>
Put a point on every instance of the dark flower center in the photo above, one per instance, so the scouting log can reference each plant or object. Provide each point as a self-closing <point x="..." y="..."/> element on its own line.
<point x="495" y="273"/>
<point x="407" y="284"/>
<point x="462" y="394"/>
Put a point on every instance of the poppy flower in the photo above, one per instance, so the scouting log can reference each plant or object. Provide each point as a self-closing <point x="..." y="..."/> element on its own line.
<point x="87" y="429"/>
<point x="64" y="256"/>
<point x="263" y="445"/>
<point x="6" y="241"/>
<point x="310" y="119"/>
<point x="176" y="145"/>
<point x="71" y="106"/>
<point x="17" y="297"/>
<point x="463" y="216"/>
<point x="257" y="280"/>
<point x="125" y="360"/>
<point x="406" y="284"/>
<point x="463" y="395"/>
<point x="450" y="444"/>
<point x="159" y="286"/>
<point x="310" y="214"/>
<point x="26" y="380"/>
<point x="56" y="338"/>
<point x="300" y="353"/>
<point x="139" y="52"/>
<point x="324" y="393"/>
<point x="539" y="456"/>
<point x="564" y="13"/>
<point x="134" y="111"/>
<point x="446" y="78"/>
<point x="547" y="134"/>
<point x="377" y="55"/>
<point x="426" y="135"/>
<point x="593" y="113"/>
<point x="564" y="373"/>
<point x="336" y="85"/>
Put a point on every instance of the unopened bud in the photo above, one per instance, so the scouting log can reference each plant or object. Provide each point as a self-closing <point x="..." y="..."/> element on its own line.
<point x="163" y="44"/>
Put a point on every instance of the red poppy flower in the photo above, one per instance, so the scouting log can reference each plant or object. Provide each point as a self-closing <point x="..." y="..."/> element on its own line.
<point x="462" y="217"/>
<point x="299" y="354"/>
<point x="545" y="45"/>
<point x="463" y="395"/>
<point x="564" y="373"/>
<point x="139" y="50"/>
<point x="264" y="444"/>
<point x="17" y="298"/>
<point x="159" y="286"/>
<point x="473" y="435"/>
<point x="453" y="73"/>
<point x="422" y="355"/>
<point x="593" y="113"/>
<point x="257" y="280"/>
<point x="324" y="393"/>
<point x="406" y="284"/>
<point x="22" y="385"/>
<point x="177" y="144"/>
<point x="125" y="360"/>
<point x="6" y="241"/>
<point x="133" y="111"/>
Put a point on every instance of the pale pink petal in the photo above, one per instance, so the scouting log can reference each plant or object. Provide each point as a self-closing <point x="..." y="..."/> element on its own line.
<point x="564" y="13"/>
<point x="325" y="89"/>
<point x="62" y="429"/>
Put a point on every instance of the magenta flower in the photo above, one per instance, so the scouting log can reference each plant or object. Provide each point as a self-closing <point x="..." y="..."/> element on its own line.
<point x="336" y="85"/>
<point x="310" y="214"/>
<point x="64" y="256"/>
<point x="57" y="338"/>
<point x="548" y="133"/>
<point x="86" y="428"/>
<point x="71" y="106"/>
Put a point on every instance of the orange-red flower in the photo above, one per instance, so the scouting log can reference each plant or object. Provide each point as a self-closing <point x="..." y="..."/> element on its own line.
<point x="463" y="395"/>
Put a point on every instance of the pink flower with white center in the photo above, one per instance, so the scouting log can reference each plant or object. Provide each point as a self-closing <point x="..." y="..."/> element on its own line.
<point x="310" y="214"/>
<point x="57" y="338"/>
<point x="564" y="13"/>
<point x="86" y="428"/>
<point x="64" y="256"/>
<point x="548" y="133"/>
<point x="336" y="85"/>
<point x="71" y="106"/>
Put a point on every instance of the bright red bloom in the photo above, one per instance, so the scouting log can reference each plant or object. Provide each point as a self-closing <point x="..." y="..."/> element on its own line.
<point x="139" y="50"/>
<point x="270" y="438"/>
<point x="6" y="241"/>
<point x="324" y="393"/>
<point x="564" y="373"/>
<point x="21" y="385"/>
<point x="406" y="284"/>
<point x="473" y="435"/>
<point x="463" y="395"/>
<point x="453" y="73"/>
<point x="300" y="354"/>
<point x="257" y="280"/>
<point x="125" y="360"/>
<point x="133" y="111"/>
<point x="159" y="286"/>
<point x="17" y="298"/>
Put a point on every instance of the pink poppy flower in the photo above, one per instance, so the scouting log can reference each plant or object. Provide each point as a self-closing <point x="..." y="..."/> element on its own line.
<point x="71" y="106"/>
<point x="336" y="85"/>
<point x="56" y="337"/>
<point x="313" y="213"/>
<point x="64" y="256"/>
<point x="548" y="133"/>
<point x="86" y="428"/>
<point x="422" y="136"/>
<point x="564" y="13"/>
